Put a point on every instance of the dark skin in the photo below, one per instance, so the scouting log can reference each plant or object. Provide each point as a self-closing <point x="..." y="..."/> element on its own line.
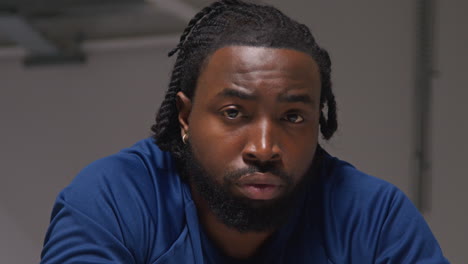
<point x="253" y="105"/>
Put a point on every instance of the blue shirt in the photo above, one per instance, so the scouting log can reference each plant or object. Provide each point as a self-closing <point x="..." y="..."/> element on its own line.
<point x="132" y="207"/>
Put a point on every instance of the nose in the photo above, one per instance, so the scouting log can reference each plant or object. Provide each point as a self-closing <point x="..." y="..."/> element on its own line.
<point x="262" y="144"/>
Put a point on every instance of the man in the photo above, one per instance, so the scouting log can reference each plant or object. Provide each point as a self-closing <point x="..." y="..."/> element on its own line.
<point x="234" y="173"/>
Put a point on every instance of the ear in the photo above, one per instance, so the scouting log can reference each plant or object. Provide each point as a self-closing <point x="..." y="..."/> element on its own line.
<point x="184" y="106"/>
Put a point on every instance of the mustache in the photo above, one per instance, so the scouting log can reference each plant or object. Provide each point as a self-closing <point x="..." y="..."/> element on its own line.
<point x="264" y="168"/>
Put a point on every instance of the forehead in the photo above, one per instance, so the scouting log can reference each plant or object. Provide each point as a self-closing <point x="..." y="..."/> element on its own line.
<point x="243" y="59"/>
<point x="246" y="64"/>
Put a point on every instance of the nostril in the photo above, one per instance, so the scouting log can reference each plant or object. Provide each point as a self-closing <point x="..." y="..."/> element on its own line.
<point x="250" y="156"/>
<point x="253" y="157"/>
<point x="275" y="156"/>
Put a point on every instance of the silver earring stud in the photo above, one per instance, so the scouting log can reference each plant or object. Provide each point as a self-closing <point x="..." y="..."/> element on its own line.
<point x="185" y="138"/>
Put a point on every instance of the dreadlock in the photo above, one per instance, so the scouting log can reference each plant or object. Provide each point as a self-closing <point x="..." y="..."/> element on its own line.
<point x="234" y="22"/>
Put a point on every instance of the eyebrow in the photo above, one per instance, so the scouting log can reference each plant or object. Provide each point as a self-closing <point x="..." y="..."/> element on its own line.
<point x="283" y="98"/>
<point x="295" y="98"/>
<point x="228" y="92"/>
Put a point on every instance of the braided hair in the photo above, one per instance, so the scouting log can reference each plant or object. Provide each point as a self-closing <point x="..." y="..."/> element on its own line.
<point x="235" y="22"/>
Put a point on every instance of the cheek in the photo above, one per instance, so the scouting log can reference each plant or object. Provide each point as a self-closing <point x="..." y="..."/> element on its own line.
<point x="213" y="146"/>
<point x="298" y="156"/>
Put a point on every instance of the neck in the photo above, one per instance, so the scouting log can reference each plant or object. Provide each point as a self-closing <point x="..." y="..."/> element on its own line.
<point x="232" y="242"/>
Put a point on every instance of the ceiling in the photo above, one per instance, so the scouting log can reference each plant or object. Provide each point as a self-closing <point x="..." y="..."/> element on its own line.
<point x="52" y="27"/>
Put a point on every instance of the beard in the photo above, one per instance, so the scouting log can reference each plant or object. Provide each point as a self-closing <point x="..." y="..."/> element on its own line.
<point x="239" y="212"/>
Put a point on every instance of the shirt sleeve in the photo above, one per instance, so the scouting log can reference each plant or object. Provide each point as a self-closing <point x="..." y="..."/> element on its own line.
<point x="101" y="217"/>
<point x="405" y="236"/>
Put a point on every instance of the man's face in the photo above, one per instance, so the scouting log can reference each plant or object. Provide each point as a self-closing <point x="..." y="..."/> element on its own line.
<point x="253" y="122"/>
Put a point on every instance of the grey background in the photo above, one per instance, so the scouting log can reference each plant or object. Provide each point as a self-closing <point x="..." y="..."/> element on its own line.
<point x="57" y="119"/>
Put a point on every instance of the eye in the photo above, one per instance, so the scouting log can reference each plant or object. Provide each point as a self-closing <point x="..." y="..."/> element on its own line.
<point x="294" y="118"/>
<point x="231" y="113"/>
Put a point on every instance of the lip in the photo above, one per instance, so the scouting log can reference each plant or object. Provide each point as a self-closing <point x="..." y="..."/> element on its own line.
<point x="260" y="186"/>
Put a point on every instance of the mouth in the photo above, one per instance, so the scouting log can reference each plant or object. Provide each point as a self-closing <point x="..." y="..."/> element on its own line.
<point x="260" y="186"/>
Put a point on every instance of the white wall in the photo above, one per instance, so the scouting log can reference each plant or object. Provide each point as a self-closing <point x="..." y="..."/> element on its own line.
<point x="449" y="215"/>
<point x="16" y="245"/>
<point x="55" y="120"/>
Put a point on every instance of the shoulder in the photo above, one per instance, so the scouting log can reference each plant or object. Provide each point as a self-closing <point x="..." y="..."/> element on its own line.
<point x="134" y="175"/>
<point x="369" y="218"/>
<point x="124" y="199"/>
<point x="352" y="195"/>
<point x="343" y="174"/>
<point x="138" y="185"/>
<point x="349" y="192"/>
